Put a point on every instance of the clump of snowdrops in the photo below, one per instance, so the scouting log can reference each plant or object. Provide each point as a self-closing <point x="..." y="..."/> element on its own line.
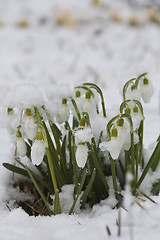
<point x="81" y="147"/>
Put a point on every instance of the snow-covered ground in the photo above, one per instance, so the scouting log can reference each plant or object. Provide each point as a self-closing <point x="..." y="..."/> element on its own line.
<point x="45" y="53"/>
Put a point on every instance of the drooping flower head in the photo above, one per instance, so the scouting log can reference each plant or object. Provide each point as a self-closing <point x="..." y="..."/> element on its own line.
<point x="81" y="155"/>
<point x="89" y="105"/>
<point x="146" y="90"/>
<point x="63" y="112"/>
<point x="38" y="149"/>
<point x="21" y="145"/>
<point x="30" y="127"/>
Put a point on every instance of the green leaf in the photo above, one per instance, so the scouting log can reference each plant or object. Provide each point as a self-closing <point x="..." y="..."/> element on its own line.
<point x="98" y="167"/>
<point x="155" y="157"/>
<point x="39" y="179"/>
<point x="79" y="191"/>
<point x="88" y="188"/>
<point x="57" y="209"/>
<point x="40" y="191"/>
<point x="15" y="169"/>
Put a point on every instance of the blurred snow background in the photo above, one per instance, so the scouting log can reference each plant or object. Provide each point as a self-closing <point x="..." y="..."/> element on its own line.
<point x="64" y="41"/>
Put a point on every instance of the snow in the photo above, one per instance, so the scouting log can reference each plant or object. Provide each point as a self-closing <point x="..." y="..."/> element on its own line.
<point x="37" y="60"/>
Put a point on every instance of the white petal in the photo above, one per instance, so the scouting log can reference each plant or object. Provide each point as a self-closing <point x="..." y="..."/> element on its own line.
<point x="147" y="92"/>
<point x="81" y="155"/>
<point x="89" y="106"/>
<point x="37" y="152"/>
<point x="63" y="113"/>
<point x="21" y="147"/>
<point x="115" y="147"/>
<point x="30" y="127"/>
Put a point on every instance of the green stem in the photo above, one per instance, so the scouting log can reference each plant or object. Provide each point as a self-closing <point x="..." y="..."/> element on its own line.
<point x="132" y="157"/>
<point x="137" y="162"/>
<point x="154" y="158"/>
<point x="140" y="142"/>
<point x="114" y="178"/>
<point x="62" y="160"/>
<point x="51" y="169"/>
<point x="76" y="108"/>
<point x="74" y="163"/>
<point x="79" y="191"/>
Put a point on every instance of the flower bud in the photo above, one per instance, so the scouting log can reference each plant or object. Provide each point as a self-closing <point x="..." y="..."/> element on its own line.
<point x="82" y="123"/>
<point x="38" y="150"/>
<point x="30" y="126"/>
<point x="21" y="145"/>
<point x="63" y="112"/>
<point x="81" y="155"/>
<point x="146" y="90"/>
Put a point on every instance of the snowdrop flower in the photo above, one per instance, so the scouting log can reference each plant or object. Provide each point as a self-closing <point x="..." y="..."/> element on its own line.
<point x="79" y="100"/>
<point x="136" y="118"/>
<point x="146" y="90"/>
<point x="89" y="105"/>
<point x="114" y="146"/>
<point x="123" y="128"/>
<point x="10" y="119"/>
<point x="81" y="155"/>
<point x="21" y="145"/>
<point x="63" y="112"/>
<point x="38" y="150"/>
<point x="82" y="136"/>
<point x="30" y="127"/>
<point x="134" y="93"/>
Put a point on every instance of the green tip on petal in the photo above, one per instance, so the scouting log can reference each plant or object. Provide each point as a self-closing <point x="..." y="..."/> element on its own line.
<point x="114" y="132"/>
<point x="78" y="94"/>
<point x="28" y="112"/>
<point x="133" y="87"/>
<point x="9" y="110"/>
<point x="39" y="135"/>
<point x="88" y="94"/>
<point x="120" y="122"/>
<point x="18" y="134"/>
<point x="128" y="110"/>
<point x="64" y="101"/>
<point x="82" y="122"/>
<point x="135" y="109"/>
<point x="145" y="81"/>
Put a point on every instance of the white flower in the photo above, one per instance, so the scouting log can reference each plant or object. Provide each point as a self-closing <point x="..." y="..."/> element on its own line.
<point x="63" y="113"/>
<point x="136" y="119"/>
<point x="133" y="93"/>
<point x="79" y="100"/>
<point x="114" y="147"/>
<point x="146" y="89"/>
<point x="21" y="147"/>
<point x="81" y="155"/>
<point x="89" y="106"/>
<point x="125" y="137"/>
<point x="83" y="135"/>
<point x="30" y="127"/>
<point x="10" y="122"/>
<point x="37" y="152"/>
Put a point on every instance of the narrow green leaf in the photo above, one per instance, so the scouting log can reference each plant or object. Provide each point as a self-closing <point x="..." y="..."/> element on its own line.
<point x="57" y="209"/>
<point x="39" y="190"/>
<point x="88" y="188"/>
<point x="79" y="191"/>
<point x="38" y="178"/>
<point x="98" y="167"/>
<point x="15" y="169"/>
<point x="154" y="158"/>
